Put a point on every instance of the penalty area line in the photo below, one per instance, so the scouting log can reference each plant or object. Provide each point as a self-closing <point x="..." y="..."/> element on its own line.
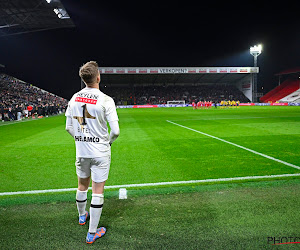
<point x="154" y="184"/>
<point x="236" y="145"/>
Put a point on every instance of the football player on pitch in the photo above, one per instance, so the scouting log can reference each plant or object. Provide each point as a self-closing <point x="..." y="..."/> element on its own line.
<point x="87" y="114"/>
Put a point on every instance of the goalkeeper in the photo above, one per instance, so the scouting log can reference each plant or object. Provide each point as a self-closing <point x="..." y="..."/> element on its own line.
<point x="87" y="114"/>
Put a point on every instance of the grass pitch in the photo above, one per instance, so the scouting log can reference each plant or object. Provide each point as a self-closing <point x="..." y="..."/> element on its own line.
<point x="40" y="155"/>
<point x="219" y="216"/>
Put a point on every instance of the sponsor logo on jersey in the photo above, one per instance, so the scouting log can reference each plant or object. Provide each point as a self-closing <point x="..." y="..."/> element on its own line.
<point x="87" y="98"/>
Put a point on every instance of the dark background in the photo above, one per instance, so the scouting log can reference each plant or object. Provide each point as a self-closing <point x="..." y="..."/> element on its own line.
<point x="156" y="33"/>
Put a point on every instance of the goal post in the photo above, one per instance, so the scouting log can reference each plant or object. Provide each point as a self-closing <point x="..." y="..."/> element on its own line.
<point x="176" y="102"/>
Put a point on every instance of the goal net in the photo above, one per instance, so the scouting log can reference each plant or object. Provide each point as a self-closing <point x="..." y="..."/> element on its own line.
<point x="176" y="102"/>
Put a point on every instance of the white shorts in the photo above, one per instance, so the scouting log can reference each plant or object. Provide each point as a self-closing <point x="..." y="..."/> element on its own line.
<point x="98" y="167"/>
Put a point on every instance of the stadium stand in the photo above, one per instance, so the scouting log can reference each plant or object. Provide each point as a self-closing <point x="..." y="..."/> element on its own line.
<point x="286" y="88"/>
<point x="290" y="84"/>
<point x="292" y="98"/>
<point x="19" y="99"/>
<point x="160" y="94"/>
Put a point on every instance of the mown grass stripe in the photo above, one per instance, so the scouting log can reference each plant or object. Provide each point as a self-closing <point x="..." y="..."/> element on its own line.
<point x="236" y="145"/>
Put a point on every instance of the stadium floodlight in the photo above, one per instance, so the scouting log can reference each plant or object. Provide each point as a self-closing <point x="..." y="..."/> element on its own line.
<point x="61" y="13"/>
<point x="48" y="1"/>
<point x="255" y="51"/>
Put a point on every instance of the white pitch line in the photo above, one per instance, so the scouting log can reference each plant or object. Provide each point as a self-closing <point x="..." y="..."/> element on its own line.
<point x="27" y="120"/>
<point x="18" y="122"/>
<point x="155" y="184"/>
<point x="235" y="118"/>
<point x="239" y="146"/>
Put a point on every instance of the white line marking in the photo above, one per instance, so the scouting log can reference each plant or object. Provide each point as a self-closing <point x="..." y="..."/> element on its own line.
<point x="239" y="146"/>
<point x="18" y="122"/>
<point x="234" y="118"/>
<point x="154" y="184"/>
<point x="26" y="120"/>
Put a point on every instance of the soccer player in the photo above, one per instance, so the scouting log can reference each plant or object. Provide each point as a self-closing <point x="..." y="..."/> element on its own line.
<point x="226" y="104"/>
<point x="87" y="114"/>
<point x="194" y="105"/>
<point x="233" y="103"/>
<point x="222" y="104"/>
<point x="206" y="104"/>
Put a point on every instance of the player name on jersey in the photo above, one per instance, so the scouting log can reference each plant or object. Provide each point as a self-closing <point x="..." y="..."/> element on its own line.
<point x="87" y="138"/>
<point x="86" y="98"/>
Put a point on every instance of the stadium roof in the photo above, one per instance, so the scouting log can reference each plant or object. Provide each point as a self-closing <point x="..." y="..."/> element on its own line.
<point x="174" y="75"/>
<point x="24" y="16"/>
<point x="288" y="71"/>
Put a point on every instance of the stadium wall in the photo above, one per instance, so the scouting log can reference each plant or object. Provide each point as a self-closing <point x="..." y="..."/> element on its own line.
<point x="245" y="85"/>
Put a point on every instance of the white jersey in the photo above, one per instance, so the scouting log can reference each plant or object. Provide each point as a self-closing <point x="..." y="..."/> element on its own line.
<point x="90" y="110"/>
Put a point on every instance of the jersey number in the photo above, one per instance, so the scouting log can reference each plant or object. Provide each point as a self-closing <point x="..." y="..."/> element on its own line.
<point x="85" y="114"/>
<point x="84" y="111"/>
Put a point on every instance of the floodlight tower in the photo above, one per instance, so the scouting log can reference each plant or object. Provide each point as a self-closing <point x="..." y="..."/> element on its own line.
<point x="255" y="51"/>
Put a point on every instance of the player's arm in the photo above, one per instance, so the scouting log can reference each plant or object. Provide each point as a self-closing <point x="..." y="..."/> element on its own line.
<point x="113" y="120"/>
<point x="69" y="126"/>
<point x="114" y="131"/>
<point x="69" y="123"/>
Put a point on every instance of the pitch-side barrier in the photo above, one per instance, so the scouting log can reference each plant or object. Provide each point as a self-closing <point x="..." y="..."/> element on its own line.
<point x="190" y="105"/>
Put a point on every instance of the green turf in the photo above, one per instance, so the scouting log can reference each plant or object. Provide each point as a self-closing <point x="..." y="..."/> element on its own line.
<point x="40" y="154"/>
<point x="220" y="216"/>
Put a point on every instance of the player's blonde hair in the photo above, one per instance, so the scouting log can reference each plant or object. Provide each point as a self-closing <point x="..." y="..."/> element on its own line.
<point x="89" y="72"/>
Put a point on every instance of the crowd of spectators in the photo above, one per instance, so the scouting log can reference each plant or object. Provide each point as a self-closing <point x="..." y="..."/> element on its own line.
<point x="19" y="100"/>
<point x="160" y="94"/>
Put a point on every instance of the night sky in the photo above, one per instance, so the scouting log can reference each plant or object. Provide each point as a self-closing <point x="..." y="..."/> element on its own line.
<point x="156" y="33"/>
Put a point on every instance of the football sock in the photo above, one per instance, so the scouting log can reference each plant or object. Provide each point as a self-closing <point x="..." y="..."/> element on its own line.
<point x="95" y="211"/>
<point x="81" y="198"/>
